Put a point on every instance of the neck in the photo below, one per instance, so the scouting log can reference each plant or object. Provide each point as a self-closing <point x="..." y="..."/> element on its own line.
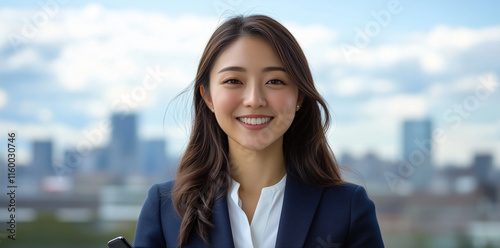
<point x="254" y="170"/>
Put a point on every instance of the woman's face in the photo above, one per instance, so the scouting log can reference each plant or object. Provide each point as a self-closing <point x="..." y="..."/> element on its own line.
<point x="254" y="99"/>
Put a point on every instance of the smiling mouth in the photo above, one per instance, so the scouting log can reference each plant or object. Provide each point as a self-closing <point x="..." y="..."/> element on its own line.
<point x="255" y="121"/>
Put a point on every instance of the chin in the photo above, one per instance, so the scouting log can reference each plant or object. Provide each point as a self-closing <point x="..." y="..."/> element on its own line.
<point x="258" y="144"/>
<point x="256" y="147"/>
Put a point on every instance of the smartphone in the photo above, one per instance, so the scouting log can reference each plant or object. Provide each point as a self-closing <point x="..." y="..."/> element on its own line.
<point x="119" y="242"/>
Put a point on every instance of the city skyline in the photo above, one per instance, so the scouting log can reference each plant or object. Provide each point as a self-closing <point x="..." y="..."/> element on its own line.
<point x="417" y="142"/>
<point x="125" y="154"/>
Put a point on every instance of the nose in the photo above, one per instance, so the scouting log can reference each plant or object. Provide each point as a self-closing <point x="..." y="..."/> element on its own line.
<point x="254" y="96"/>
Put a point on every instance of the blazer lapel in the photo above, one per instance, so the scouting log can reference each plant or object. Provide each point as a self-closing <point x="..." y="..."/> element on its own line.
<point x="299" y="206"/>
<point x="222" y="235"/>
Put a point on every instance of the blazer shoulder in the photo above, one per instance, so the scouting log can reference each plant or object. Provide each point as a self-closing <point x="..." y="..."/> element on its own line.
<point x="161" y="192"/>
<point x="164" y="188"/>
<point x="363" y="228"/>
<point x="350" y="196"/>
<point x="345" y="189"/>
<point x="158" y="223"/>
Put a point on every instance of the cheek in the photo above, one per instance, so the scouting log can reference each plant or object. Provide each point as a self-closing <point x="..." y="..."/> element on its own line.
<point x="225" y="101"/>
<point x="285" y="103"/>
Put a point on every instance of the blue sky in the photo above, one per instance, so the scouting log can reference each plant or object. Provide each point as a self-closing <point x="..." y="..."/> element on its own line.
<point x="424" y="59"/>
<point x="418" y="16"/>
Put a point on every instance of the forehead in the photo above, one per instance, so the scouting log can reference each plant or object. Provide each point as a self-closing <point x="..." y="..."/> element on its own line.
<point x="248" y="52"/>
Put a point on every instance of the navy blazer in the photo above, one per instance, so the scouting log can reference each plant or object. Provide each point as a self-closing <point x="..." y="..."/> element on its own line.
<point x="341" y="216"/>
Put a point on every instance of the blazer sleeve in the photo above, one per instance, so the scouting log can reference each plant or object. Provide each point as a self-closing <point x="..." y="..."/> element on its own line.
<point x="149" y="233"/>
<point x="363" y="229"/>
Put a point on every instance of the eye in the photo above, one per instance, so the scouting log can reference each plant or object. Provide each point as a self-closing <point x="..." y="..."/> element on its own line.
<point x="232" y="81"/>
<point x="275" y="82"/>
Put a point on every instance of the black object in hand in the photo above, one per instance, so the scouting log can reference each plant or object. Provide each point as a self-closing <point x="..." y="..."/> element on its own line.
<point x="119" y="242"/>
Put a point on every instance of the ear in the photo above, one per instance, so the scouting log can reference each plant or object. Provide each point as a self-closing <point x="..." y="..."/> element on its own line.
<point x="300" y="99"/>
<point x="207" y="98"/>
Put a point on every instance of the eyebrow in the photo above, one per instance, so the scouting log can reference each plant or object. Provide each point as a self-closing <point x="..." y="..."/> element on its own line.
<point x="239" y="68"/>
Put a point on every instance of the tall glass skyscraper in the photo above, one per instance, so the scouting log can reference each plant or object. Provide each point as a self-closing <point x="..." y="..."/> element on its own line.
<point x="417" y="152"/>
<point x="42" y="158"/>
<point x="123" y="148"/>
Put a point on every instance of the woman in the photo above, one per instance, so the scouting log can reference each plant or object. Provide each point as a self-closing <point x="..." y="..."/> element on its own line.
<point x="257" y="171"/>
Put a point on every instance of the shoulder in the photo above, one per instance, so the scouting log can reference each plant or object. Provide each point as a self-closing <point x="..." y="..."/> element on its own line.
<point x="158" y="223"/>
<point x="164" y="187"/>
<point x="357" y="211"/>
<point x="160" y="190"/>
<point x="346" y="189"/>
<point x="159" y="202"/>
<point x="159" y="197"/>
<point x="348" y="196"/>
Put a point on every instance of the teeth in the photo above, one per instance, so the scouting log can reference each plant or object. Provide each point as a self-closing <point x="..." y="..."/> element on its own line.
<point x="255" y="121"/>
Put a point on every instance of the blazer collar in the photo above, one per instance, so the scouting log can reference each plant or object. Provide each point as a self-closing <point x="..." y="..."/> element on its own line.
<point x="299" y="206"/>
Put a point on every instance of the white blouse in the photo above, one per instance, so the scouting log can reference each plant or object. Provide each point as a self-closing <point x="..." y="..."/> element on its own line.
<point x="263" y="231"/>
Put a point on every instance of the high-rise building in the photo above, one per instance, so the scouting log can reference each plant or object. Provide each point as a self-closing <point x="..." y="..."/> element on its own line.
<point x="123" y="148"/>
<point x="485" y="176"/>
<point x="154" y="160"/>
<point x="417" y="152"/>
<point x="42" y="159"/>
<point x="483" y="167"/>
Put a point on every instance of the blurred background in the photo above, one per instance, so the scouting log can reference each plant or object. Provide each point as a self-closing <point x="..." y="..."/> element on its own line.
<point x="89" y="89"/>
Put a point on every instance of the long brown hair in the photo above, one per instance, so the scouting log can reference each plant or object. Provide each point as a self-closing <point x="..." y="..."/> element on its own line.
<point x="203" y="175"/>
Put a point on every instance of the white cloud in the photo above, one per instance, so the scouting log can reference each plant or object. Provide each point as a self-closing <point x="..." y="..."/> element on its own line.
<point x="399" y="106"/>
<point x="383" y="86"/>
<point x="432" y="62"/>
<point x="102" y="47"/>
<point x="380" y="135"/>
<point x="312" y="35"/>
<point x="3" y="98"/>
<point x="44" y="115"/>
<point x="9" y="24"/>
<point x="432" y="50"/>
<point x="444" y="37"/>
<point x="465" y="84"/>
<point x="387" y="55"/>
<point x="26" y="107"/>
<point x="490" y="81"/>
<point x="109" y="52"/>
<point x="95" y="108"/>
<point x="25" y="57"/>
<point x="351" y="86"/>
<point x="91" y="63"/>
<point x="437" y="89"/>
<point x="315" y="40"/>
